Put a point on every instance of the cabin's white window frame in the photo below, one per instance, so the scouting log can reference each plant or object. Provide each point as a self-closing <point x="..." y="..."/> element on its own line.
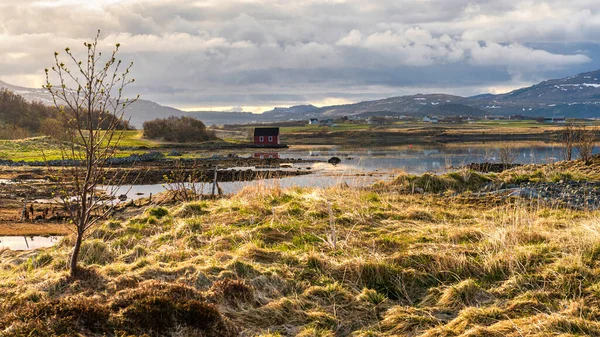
<point x="270" y="138"/>
<point x="261" y="138"/>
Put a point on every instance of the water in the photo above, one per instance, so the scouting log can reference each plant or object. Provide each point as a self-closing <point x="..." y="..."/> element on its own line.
<point x="28" y="242"/>
<point x="362" y="166"/>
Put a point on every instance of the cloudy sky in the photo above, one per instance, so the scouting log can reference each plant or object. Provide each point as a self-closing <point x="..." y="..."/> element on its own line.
<point x="258" y="54"/>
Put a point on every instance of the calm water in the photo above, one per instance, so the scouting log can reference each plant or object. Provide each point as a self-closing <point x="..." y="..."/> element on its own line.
<point x="27" y="242"/>
<point x="361" y="166"/>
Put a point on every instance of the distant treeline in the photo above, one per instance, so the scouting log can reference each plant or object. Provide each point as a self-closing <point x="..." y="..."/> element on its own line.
<point x="21" y="119"/>
<point x="178" y="129"/>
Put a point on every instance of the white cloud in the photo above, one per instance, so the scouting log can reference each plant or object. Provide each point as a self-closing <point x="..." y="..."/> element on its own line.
<point x="267" y="52"/>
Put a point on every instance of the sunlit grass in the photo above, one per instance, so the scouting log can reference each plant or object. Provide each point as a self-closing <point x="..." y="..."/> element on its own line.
<point x="325" y="262"/>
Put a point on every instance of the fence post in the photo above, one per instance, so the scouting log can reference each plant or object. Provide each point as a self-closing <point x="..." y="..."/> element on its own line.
<point x="215" y="180"/>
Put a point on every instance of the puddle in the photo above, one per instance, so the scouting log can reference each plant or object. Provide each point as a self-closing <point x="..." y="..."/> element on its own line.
<point x="28" y="242"/>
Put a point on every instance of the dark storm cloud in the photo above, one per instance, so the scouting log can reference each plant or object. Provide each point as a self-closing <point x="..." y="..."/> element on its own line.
<point x="277" y="52"/>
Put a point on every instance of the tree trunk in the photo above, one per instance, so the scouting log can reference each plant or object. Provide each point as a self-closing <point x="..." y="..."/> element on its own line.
<point x="75" y="254"/>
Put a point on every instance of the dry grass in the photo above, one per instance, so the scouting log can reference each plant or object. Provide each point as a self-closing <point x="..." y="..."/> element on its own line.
<point x="12" y="228"/>
<point x="262" y="263"/>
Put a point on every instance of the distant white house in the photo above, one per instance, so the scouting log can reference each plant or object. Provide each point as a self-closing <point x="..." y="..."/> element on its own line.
<point x="432" y="119"/>
<point x="313" y="121"/>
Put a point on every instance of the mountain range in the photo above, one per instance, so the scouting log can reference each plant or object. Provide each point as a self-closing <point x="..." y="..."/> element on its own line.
<point x="572" y="97"/>
<point x="144" y="110"/>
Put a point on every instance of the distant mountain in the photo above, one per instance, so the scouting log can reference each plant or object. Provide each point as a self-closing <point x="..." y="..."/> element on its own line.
<point x="573" y="96"/>
<point x="30" y="94"/>
<point x="403" y="105"/>
<point x="225" y="117"/>
<point x="394" y="106"/>
<point x="143" y="110"/>
<point x="294" y="112"/>
<point x="455" y="109"/>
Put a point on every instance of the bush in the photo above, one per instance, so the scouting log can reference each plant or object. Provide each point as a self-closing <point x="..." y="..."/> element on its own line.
<point x="177" y="129"/>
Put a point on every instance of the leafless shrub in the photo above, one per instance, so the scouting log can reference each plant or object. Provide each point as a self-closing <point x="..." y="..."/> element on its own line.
<point x="507" y="155"/>
<point x="585" y="141"/>
<point x="567" y="138"/>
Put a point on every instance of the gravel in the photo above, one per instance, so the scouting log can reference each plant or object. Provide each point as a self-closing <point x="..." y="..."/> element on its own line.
<point x="572" y="194"/>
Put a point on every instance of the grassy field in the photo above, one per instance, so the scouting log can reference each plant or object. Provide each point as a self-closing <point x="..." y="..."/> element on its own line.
<point x="319" y="262"/>
<point x="46" y="148"/>
<point x="133" y="138"/>
<point x="38" y="148"/>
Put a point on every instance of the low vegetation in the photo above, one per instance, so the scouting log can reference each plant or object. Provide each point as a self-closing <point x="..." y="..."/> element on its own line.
<point x="21" y="119"/>
<point x="319" y="262"/>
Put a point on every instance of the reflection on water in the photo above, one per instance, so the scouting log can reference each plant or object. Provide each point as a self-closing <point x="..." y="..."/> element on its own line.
<point x="27" y="242"/>
<point x="361" y="166"/>
<point x="426" y="158"/>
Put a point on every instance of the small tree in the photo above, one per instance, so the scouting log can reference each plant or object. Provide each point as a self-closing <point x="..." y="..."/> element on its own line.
<point x="567" y="138"/>
<point x="585" y="141"/>
<point x="89" y="98"/>
<point x="507" y="156"/>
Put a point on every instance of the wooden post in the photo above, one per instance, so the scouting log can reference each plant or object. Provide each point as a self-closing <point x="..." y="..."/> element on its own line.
<point x="24" y="215"/>
<point x="215" y="181"/>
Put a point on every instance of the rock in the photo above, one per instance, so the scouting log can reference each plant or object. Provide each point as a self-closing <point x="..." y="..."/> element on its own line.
<point x="334" y="161"/>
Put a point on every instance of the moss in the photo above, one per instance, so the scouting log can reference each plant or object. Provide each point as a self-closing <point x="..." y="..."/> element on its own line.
<point x="371" y="296"/>
<point x="158" y="212"/>
<point x="40" y="260"/>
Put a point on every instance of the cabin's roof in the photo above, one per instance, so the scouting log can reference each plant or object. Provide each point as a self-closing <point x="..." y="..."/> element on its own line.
<point x="266" y="132"/>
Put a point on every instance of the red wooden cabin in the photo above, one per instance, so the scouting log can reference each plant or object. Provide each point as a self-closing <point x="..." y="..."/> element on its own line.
<point x="266" y="136"/>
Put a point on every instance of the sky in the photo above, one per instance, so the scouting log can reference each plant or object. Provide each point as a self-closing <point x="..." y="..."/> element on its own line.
<point x="253" y="55"/>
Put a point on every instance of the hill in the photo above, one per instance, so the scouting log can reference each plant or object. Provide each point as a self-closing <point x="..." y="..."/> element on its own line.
<point x="413" y="105"/>
<point x="144" y="110"/>
<point x="574" y="96"/>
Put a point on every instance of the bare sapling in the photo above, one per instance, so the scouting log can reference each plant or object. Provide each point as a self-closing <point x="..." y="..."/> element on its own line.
<point x="507" y="156"/>
<point x="567" y="138"/>
<point x="585" y="141"/>
<point x="89" y="97"/>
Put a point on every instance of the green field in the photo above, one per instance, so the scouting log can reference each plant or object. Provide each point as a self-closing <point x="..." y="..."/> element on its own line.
<point x="46" y="148"/>
<point x="133" y="138"/>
